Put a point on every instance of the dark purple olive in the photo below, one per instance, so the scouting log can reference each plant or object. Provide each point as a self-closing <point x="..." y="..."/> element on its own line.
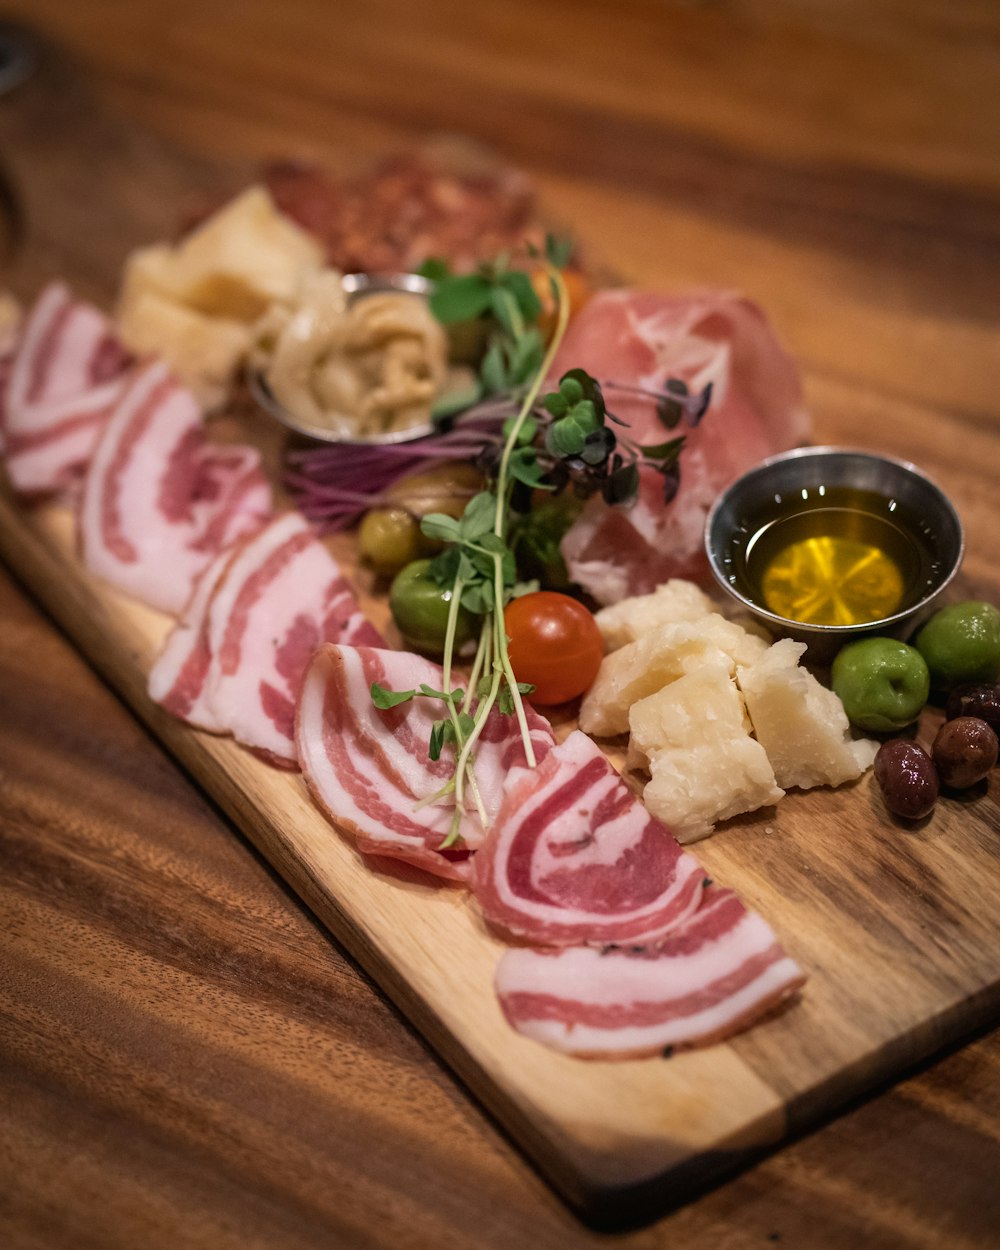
<point x="907" y="777"/>
<point x="964" y="751"/>
<point x="981" y="700"/>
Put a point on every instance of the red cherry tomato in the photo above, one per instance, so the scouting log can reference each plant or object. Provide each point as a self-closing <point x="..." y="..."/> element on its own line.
<point x="554" y="644"/>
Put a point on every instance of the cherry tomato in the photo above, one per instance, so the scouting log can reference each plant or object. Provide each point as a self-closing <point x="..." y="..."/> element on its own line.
<point x="554" y="644"/>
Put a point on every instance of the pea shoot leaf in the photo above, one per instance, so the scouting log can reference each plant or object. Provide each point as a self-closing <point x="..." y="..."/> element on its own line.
<point x="479" y="516"/>
<point x="505" y="699"/>
<point x="385" y="699"/>
<point x="441" y="526"/>
<point x="461" y="298"/>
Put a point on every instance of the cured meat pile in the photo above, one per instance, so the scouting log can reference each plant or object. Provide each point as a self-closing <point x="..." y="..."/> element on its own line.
<point x="641" y="339"/>
<point x="175" y="521"/>
<point x="632" y="949"/>
<point x="411" y="208"/>
<point x="569" y="862"/>
<point x="619" y="945"/>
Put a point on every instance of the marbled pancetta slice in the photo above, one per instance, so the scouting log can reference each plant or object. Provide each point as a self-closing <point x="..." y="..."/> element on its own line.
<point x="574" y="857"/>
<point x="158" y="501"/>
<point x="64" y="376"/>
<point x="279" y="597"/>
<point x="715" y="975"/>
<point x="369" y="769"/>
<point x="178" y="679"/>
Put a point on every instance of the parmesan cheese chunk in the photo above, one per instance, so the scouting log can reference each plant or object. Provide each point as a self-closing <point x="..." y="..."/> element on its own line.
<point x="641" y="668"/>
<point x="671" y="603"/>
<point x="703" y="764"/>
<point x="242" y="258"/>
<point x="800" y="724"/>
<point x="203" y="352"/>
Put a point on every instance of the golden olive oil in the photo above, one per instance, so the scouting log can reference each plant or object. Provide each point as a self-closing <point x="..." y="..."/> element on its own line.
<point x="836" y="556"/>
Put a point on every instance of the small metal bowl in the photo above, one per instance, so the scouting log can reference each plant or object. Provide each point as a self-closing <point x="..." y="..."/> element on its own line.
<point x="915" y="504"/>
<point x="356" y="287"/>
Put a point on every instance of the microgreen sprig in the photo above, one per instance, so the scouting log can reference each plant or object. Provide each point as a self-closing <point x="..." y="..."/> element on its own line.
<point x="479" y="566"/>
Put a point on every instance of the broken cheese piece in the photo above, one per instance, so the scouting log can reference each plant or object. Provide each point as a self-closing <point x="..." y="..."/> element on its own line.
<point x="653" y="661"/>
<point x="203" y="352"/>
<point x="242" y="258"/>
<point x="669" y="604"/>
<point x="704" y="765"/>
<point x="800" y="724"/>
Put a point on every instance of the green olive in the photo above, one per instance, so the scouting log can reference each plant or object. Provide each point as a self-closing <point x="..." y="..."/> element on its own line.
<point x="420" y="609"/>
<point x="389" y="538"/>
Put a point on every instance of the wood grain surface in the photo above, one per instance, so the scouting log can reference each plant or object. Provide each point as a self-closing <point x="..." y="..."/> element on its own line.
<point x="165" y="1087"/>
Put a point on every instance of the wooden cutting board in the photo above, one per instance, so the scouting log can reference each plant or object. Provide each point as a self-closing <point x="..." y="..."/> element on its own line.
<point x="898" y="928"/>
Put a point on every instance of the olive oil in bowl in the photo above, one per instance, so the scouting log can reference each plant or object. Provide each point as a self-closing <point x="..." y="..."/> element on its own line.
<point x="823" y="543"/>
<point x="836" y="559"/>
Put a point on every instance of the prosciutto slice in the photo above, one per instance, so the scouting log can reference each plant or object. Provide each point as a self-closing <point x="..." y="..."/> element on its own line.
<point x="158" y="501"/>
<point x="235" y="661"/>
<point x="641" y="339"/>
<point x="709" y="978"/>
<point x="369" y="769"/>
<point x="574" y="857"/>
<point x="64" y="376"/>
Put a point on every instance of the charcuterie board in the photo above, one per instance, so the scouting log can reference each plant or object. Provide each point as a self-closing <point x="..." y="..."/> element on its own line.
<point x="897" y="928"/>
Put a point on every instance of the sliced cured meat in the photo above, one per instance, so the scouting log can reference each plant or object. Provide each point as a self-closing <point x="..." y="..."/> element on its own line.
<point x="178" y="679"/>
<point x="49" y="457"/>
<point x="370" y="771"/>
<point x="65" y="348"/>
<point x="62" y="379"/>
<point x="277" y="599"/>
<point x="158" y="501"/>
<point x="640" y="339"/>
<point x="710" y="978"/>
<point x="574" y="857"/>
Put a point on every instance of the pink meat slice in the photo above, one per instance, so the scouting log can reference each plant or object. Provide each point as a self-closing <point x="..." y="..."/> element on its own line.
<point x="64" y="375"/>
<point x="574" y="857"/>
<point x="159" y="502"/>
<point x="641" y="339"/>
<point x="708" y="979"/>
<point x="236" y="662"/>
<point x="369" y="769"/>
<point x="178" y="679"/>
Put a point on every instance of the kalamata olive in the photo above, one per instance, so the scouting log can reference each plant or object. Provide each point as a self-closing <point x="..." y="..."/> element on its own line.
<point x="980" y="700"/>
<point x="964" y="751"/>
<point x="907" y="777"/>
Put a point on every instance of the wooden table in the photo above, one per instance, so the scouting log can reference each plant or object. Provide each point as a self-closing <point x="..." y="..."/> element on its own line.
<point x="186" y="1057"/>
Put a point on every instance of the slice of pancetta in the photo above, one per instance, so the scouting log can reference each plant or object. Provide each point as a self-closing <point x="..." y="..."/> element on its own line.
<point x="65" y="373"/>
<point x="715" y="975"/>
<point x="276" y="600"/>
<point x="158" y="501"/>
<point x="370" y="770"/>
<point x="574" y="857"/>
<point x="178" y="679"/>
<point x="640" y="339"/>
